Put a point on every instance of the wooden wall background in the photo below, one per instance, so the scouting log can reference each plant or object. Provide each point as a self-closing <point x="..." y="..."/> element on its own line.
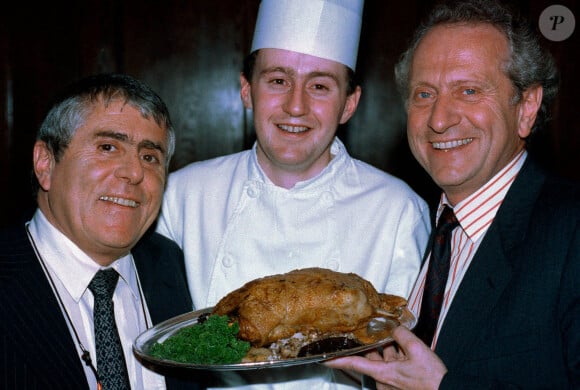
<point x="191" y="53"/>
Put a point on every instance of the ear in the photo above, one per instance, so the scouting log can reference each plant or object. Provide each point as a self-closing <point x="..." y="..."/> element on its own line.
<point x="351" y="105"/>
<point x="246" y="91"/>
<point x="43" y="164"/>
<point x="528" y="109"/>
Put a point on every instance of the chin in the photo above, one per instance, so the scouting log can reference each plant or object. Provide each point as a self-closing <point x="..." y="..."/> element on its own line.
<point x="447" y="180"/>
<point x="120" y="239"/>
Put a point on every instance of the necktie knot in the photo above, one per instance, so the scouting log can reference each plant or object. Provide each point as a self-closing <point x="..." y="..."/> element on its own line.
<point x="104" y="283"/>
<point x="447" y="221"/>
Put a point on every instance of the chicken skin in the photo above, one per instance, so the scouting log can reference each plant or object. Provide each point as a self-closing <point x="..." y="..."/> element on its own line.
<point x="305" y="300"/>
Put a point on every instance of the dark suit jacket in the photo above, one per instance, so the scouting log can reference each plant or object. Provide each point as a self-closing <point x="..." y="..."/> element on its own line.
<point x="515" y="321"/>
<point x="36" y="347"/>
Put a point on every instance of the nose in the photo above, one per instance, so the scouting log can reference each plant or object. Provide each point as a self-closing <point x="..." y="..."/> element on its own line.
<point x="296" y="103"/>
<point x="443" y="115"/>
<point x="130" y="169"/>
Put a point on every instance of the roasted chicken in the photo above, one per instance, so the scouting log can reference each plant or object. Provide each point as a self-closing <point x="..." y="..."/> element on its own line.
<point x="306" y="300"/>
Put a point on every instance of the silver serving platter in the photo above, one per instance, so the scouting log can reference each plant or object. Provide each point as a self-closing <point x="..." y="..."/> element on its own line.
<point x="162" y="331"/>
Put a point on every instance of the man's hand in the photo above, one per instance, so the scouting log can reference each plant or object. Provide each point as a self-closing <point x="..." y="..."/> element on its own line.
<point x="408" y="364"/>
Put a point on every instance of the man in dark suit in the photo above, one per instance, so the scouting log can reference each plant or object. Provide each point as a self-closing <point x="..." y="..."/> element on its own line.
<point x="100" y="163"/>
<point x="477" y="85"/>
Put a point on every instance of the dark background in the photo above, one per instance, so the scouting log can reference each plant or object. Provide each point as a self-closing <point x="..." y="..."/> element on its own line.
<point x="191" y="53"/>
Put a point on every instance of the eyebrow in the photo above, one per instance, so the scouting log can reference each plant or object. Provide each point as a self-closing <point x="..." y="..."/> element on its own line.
<point x="291" y="72"/>
<point x="145" y="144"/>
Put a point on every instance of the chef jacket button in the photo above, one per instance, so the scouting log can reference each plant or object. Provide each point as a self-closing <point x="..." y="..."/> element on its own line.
<point x="326" y="198"/>
<point x="228" y="261"/>
<point x="253" y="191"/>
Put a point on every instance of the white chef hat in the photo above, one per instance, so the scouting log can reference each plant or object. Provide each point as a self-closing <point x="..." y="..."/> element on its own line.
<point x="327" y="29"/>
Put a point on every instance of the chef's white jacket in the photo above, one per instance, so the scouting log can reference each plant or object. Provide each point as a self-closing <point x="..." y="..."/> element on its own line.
<point x="235" y="225"/>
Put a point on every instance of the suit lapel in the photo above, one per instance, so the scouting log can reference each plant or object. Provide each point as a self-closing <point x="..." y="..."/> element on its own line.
<point x="162" y="275"/>
<point x="42" y="332"/>
<point x="491" y="269"/>
<point x="482" y="285"/>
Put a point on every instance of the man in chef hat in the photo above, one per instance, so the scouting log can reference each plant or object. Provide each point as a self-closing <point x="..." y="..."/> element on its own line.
<point x="296" y="199"/>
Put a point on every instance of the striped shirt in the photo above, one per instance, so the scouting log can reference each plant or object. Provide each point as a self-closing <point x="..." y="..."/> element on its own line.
<point x="475" y="214"/>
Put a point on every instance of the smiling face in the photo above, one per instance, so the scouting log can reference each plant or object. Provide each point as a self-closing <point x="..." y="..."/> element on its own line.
<point x="463" y="126"/>
<point x="298" y="102"/>
<point x="106" y="189"/>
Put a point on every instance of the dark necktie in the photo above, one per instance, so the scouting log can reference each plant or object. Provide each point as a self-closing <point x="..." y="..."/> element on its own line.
<point x="436" y="277"/>
<point x="110" y="359"/>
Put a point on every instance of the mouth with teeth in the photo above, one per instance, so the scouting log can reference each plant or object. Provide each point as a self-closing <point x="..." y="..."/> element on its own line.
<point x="120" y="201"/>
<point x="293" y="129"/>
<point x="451" y="144"/>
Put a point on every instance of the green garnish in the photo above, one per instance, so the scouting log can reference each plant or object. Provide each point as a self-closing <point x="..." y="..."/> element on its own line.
<point x="213" y="341"/>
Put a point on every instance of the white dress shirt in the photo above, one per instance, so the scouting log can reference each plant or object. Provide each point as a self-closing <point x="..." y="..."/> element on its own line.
<point x="71" y="271"/>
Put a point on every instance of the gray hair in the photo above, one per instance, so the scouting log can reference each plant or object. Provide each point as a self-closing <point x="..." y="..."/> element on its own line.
<point x="529" y="64"/>
<point x="72" y="107"/>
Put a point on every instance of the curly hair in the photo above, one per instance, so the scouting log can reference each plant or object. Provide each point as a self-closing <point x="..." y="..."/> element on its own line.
<point x="529" y="63"/>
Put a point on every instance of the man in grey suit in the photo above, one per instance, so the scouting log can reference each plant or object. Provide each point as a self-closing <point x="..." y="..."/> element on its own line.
<point x="100" y="162"/>
<point x="477" y="85"/>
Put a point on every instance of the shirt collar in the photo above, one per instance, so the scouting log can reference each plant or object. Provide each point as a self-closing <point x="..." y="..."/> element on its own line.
<point x="76" y="272"/>
<point x="315" y="184"/>
<point x="478" y="210"/>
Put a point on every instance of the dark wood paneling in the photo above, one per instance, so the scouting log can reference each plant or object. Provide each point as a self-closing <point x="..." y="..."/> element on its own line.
<point x="191" y="52"/>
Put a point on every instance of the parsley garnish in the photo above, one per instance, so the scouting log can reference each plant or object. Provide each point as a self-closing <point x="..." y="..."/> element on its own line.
<point x="212" y="342"/>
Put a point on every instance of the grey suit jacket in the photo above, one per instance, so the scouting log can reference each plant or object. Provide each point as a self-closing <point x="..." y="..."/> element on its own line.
<point x="515" y="321"/>
<point x="36" y="347"/>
